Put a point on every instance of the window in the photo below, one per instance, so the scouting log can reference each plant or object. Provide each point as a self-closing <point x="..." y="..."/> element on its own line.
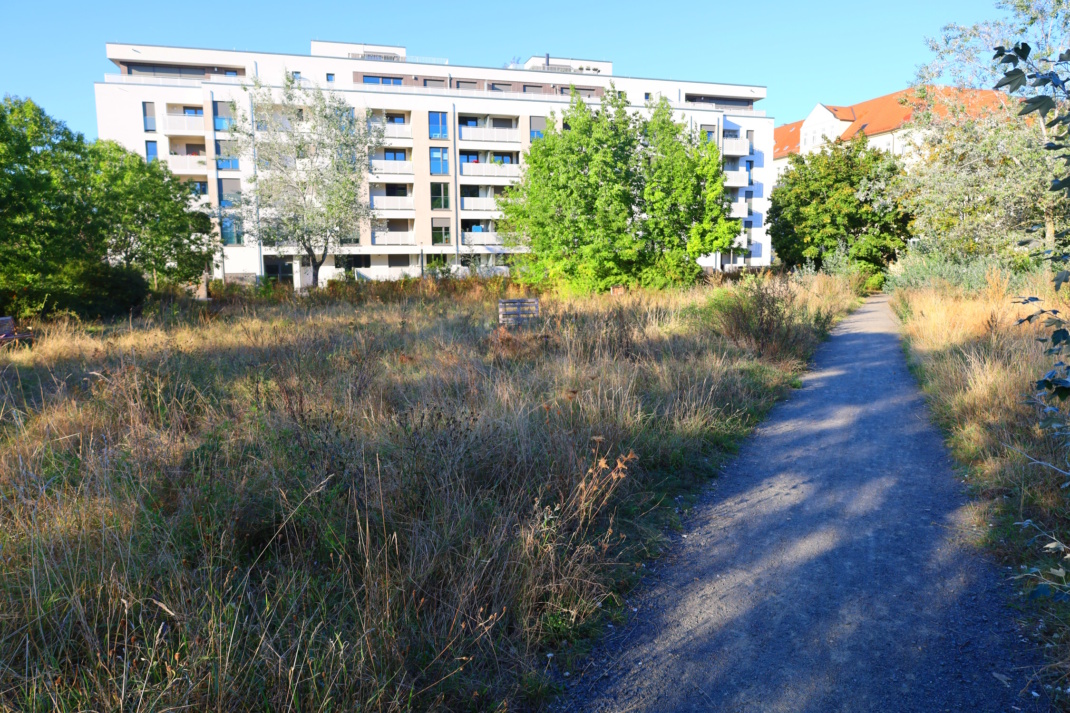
<point x="533" y="89"/>
<point x="500" y="87"/>
<point x="223" y="114"/>
<point x="397" y="260"/>
<point x="501" y="123"/>
<point x="397" y="190"/>
<point x="148" y="114"/>
<point x="440" y="196"/>
<point x="538" y="125"/>
<point x="435" y="262"/>
<point x="229" y="192"/>
<point x="467" y="84"/>
<point x="224" y="160"/>
<point x="395" y="81"/>
<point x="200" y="187"/>
<point x="434" y="82"/>
<point x="352" y="262"/>
<point x="395" y="118"/>
<point x="502" y="157"/>
<point x="230" y="73"/>
<point x="150" y="151"/>
<point x="469" y="191"/>
<point x="440" y="231"/>
<point x="437" y="126"/>
<point x="440" y="161"/>
<point x="296" y="76"/>
<point x="193" y="110"/>
<point x="646" y="96"/>
<point x="394" y="154"/>
<point x="467" y="121"/>
<point x="330" y="78"/>
<point x="469" y="157"/>
<point x="230" y="230"/>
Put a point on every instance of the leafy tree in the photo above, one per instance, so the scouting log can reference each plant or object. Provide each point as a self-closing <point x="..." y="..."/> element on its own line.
<point x="150" y="217"/>
<point x="614" y="198"/>
<point x="980" y="183"/>
<point x="312" y="150"/>
<point x="838" y="196"/>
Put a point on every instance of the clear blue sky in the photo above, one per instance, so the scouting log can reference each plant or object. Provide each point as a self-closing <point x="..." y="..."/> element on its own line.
<point x="832" y="51"/>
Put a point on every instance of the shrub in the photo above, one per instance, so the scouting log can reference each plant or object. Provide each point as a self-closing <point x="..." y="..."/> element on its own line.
<point x="97" y="289"/>
<point x="875" y="282"/>
<point x="920" y="269"/>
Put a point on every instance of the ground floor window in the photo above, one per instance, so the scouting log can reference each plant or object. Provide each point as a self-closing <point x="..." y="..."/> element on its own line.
<point x="352" y="262"/>
<point x="398" y="260"/>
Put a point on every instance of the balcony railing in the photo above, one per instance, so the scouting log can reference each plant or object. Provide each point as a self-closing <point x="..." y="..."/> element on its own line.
<point x="736" y="147"/>
<point x="188" y="164"/>
<point x="738" y="209"/>
<point x="392" y="202"/>
<point x="393" y="237"/>
<point x="505" y="170"/>
<point x="391" y="167"/>
<point x="736" y="178"/>
<point x="393" y="131"/>
<point x="478" y="203"/>
<point x="484" y="133"/>
<point x="481" y="239"/>
<point x="183" y="124"/>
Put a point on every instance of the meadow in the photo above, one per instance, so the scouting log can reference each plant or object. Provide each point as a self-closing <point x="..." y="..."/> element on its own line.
<point x="373" y="498"/>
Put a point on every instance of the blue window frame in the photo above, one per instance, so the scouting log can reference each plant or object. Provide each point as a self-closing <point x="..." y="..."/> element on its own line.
<point x="230" y="73"/>
<point x="438" y="128"/>
<point x="467" y="121"/>
<point x="193" y="110"/>
<point x="536" y="134"/>
<point x="440" y="161"/>
<point x="503" y="158"/>
<point x="230" y="230"/>
<point x="395" y="118"/>
<point x="395" y="81"/>
<point x="223" y="116"/>
<point x="150" y="151"/>
<point x="200" y="187"/>
<point x="330" y="78"/>
<point x="469" y="157"/>
<point x="394" y="155"/>
<point x="295" y="75"/>
<point x="224" y="161"/>
<point x="148" y="112"/>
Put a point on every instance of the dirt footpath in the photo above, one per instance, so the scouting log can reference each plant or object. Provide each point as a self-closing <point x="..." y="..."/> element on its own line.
<point x="828" y="569"/>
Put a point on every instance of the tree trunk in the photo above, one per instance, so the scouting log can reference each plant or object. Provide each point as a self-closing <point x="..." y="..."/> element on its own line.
<point x="1049" y="227"/>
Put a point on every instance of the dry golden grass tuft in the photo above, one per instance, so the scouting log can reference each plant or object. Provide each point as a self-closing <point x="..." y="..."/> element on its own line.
<point x="372" y="500"/>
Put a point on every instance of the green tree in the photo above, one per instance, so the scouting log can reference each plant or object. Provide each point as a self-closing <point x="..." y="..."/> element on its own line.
<point x="150" y="217"/>
<point x="838" y="196"/>
<point x="312" y="150"/>
<point x="613" y="198"/>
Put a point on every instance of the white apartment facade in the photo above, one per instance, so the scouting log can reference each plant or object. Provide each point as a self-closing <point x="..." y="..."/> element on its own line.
<point x="454" y="137"/>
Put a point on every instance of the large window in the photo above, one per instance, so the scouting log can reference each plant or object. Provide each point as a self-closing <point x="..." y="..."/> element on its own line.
<point x="502" y="157"/>
<point x="352" y="262"/>
<point x="395" y="118"/>
<point x="395" y="81"/>
<point x="193" y="110"/>
<point x="467" y="121"/>
<point x="148" y="113"/>
<point x="229" y="192"/>
<point x="150" y="151"/>
<point x="440" y="196"/>
<point x="223" y="114"/>
<point x="397" y="260"/>
<point x="440" y="231"/>
<point x="396" y="190"/>
<point x="230" y="230"/>
<point x="538" y="125"/>
<point x="469" y="157"/>
<point x="440" y="161"/>
<point x="436" y="262"/>
<point x="225" y="159"/>
<point x="437" y="126"/>
<point x="394" y="155"/>
<point x="200" y="187"/>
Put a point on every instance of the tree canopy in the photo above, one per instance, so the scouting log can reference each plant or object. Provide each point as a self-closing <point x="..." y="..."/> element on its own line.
<point x="838" y="196"/>
<point x="611" y="197"/>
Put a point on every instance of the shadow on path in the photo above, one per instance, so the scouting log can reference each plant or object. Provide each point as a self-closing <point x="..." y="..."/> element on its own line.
<point x="828" y="569"/>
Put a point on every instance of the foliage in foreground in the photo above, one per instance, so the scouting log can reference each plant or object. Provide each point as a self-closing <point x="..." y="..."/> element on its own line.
<point x="838" y="196"/>
<point x="920" y="269"/>
<point x="389" y="504"/>
<point x="617" y="199"/>
<point x="83" y="223"/>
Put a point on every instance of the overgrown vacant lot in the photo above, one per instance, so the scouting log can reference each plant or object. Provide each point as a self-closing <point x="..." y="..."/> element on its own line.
<point x="379" y="501"/>
<point x="979" y="369"/>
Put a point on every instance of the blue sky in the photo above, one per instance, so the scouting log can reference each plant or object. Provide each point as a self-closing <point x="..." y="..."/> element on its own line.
<point x="833" y="51"/>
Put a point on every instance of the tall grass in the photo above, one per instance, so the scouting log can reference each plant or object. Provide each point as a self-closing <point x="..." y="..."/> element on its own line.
<point x="376" y="500"/>
<point x="978" y="368"/>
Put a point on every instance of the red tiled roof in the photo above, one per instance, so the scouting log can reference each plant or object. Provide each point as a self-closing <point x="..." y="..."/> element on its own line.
<point x="786" y="139"/>
<point x="887" y="113"/>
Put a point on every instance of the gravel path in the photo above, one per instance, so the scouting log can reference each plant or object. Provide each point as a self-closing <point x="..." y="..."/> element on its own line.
<point x="829" y="569"/>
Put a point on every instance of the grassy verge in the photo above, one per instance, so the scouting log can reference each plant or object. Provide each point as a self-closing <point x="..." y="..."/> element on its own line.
<point x="978" y="369"/>
<point x="372" y="500"/>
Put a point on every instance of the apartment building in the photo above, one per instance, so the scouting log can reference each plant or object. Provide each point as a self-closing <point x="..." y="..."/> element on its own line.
<point x="454" y="137"/>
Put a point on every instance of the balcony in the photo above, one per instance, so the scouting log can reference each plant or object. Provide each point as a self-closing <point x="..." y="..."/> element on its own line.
<point x="392" y="203"/>
<point x="188" y="164"/>
<point x="501" y="170"/>
<point x="478" y="203"/>
<point x="393" y="237"/>
<point x="739" y="209"/>
<point x="183" y="124"/>
<point x="736" y="147"/>
<point x="481" y="239"/>
<point x="393" y="131"/>
<point x="391" y="167"/>
<point x="484" y="133"/>
<point x="736" y="178"/>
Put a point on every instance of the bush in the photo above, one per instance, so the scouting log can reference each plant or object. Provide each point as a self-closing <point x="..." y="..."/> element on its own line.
<point x="920" y="269"/>
<point x="875" y="282"/>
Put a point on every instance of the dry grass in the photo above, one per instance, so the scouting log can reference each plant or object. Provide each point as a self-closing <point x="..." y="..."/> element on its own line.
<point x="979" y="369"/>
<point x="373" y="502"/>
